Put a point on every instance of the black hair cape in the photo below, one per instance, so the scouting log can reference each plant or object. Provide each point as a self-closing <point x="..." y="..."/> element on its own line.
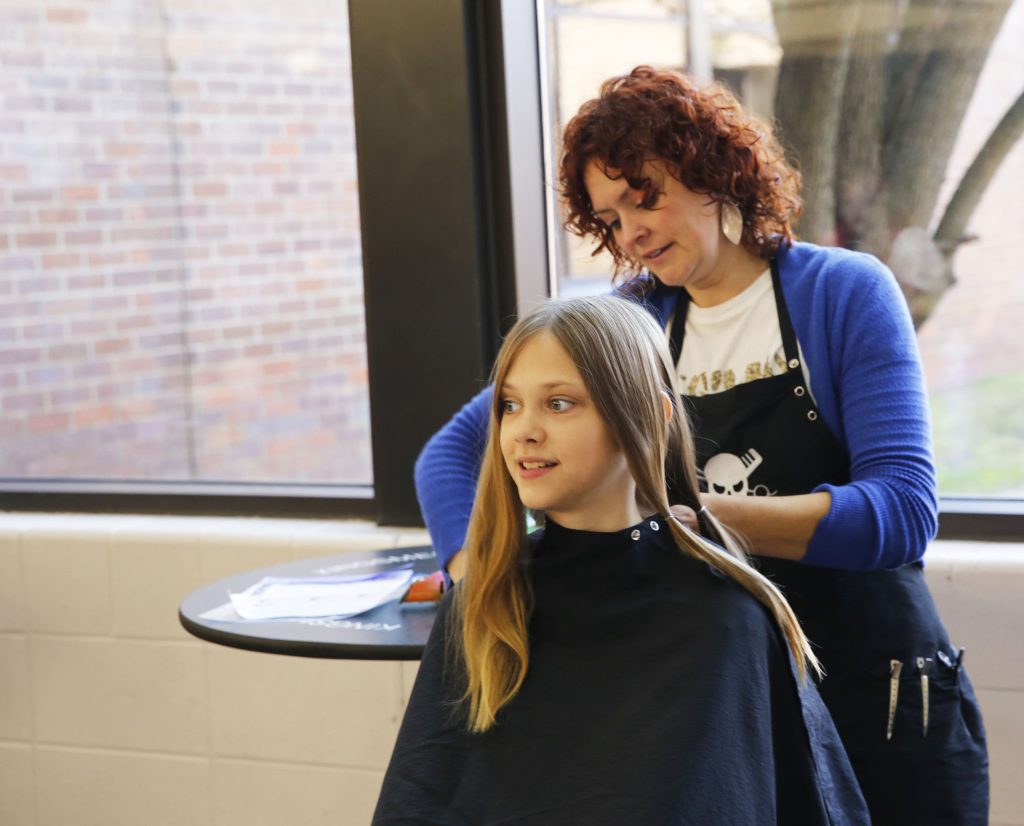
<point x="658" y="692"/>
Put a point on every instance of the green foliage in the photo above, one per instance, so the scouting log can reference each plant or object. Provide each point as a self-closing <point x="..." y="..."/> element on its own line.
<point x="979" y="437"/>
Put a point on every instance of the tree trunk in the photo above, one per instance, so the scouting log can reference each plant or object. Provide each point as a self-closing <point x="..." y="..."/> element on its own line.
<point x="859" y="148"/>
<point x="870" y="100"/>
<point x="920" y="138"/>
<point x="816" y="44"/>
<point x="953" y="226"/>
<point x="952" y="229"/>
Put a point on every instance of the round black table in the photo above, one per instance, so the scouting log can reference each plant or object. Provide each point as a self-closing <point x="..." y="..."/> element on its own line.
<point x="394" y="631"/>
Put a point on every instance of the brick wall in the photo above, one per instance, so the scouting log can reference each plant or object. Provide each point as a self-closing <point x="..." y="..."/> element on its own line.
<point x="179" y="242"/>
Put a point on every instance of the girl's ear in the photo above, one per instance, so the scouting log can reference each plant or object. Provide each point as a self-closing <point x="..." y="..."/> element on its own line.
<point x="666" y="401"/>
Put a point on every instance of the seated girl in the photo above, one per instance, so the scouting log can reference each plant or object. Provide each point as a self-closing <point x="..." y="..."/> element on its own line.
<point x="613" y="667"/>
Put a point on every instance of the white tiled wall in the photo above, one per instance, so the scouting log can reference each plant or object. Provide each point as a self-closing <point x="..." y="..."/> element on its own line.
<point x="110" y="714"/>
<point x="979" y="588"/>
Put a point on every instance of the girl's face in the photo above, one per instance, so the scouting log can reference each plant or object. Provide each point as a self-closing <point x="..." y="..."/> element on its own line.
<point x="678" y="238"/>
<point x="556" y="446"/>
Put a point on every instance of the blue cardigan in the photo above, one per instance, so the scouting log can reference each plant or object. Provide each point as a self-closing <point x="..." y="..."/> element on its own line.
<point x="860" y="350"/>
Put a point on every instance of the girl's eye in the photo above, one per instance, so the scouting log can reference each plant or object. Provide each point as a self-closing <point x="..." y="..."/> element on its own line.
<point x="561" y="405"/>
<point x="615" y="225"/>
<point x="509" y="406"/>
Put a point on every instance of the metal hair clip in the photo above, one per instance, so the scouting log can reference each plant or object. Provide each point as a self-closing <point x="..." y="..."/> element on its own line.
<point x="924" y="665"/>
<point x="895" y="667"/>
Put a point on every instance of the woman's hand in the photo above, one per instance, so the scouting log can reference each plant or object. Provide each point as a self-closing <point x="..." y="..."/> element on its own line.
<point x="687" y="516"/>
<point x="777" y="526"/>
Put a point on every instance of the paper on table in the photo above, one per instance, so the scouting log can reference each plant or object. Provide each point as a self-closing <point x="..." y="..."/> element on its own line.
<point x="321" y="596"/>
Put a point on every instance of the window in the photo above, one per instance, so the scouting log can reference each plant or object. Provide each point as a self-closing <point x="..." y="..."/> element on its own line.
<point x="230" y="140"/>
<point x="887" y="105"/>
<point x="182" y="282"/>
<point x="179" y="185"/>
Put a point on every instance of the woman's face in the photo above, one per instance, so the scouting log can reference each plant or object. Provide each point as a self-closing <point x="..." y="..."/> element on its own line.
<point x="557" y="447"/>
<point x="678" y="238"/>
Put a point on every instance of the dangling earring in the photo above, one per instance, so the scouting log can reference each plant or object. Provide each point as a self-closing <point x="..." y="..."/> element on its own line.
<point x="732" y="221"/>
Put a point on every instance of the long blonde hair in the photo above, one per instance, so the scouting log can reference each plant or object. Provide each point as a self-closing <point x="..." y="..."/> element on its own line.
<point x="623" y="358"/>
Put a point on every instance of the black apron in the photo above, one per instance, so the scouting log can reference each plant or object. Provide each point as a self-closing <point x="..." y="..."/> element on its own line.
<point x="913" y="730"/>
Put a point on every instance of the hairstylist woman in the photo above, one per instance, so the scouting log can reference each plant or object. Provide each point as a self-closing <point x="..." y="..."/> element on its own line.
<point x="802" y="377"/>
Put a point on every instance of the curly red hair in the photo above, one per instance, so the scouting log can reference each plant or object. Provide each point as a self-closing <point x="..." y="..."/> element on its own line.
<point x="703" y="137"/>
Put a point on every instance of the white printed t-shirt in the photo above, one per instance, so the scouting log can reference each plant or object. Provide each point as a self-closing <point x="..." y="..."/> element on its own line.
<point x="733" y="342"/>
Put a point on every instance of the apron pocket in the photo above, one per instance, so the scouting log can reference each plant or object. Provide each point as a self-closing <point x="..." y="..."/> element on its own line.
<point x="877" y="707"/>
<point x="970" y="712"/>
<point x="937" y="776"/>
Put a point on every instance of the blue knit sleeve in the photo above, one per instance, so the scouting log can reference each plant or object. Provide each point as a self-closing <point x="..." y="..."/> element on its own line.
<point x="446" y="475"/>
<point x="887" y="514"/>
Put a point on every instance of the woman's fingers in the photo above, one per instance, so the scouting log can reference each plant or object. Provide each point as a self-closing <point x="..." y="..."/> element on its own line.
<point x="686" y="515"/>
